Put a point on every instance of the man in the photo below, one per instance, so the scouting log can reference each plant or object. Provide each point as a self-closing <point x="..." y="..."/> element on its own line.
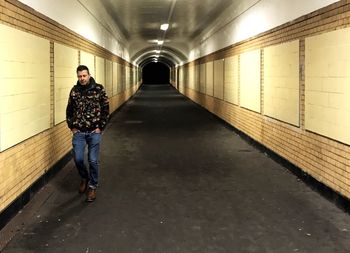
<point x="87" y="115"/>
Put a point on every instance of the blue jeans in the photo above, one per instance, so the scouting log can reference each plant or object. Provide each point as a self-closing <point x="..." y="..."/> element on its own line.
<point x="92" y="140"/>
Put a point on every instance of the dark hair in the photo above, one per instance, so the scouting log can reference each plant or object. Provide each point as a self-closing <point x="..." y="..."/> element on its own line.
<point x="82" y="67"/>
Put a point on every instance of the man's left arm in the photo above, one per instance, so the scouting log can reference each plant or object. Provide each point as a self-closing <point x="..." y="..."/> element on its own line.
<point x="104" y="104"/>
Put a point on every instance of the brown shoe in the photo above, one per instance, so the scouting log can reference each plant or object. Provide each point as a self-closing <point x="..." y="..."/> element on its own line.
<point x="91" y="195"/>
<point x="83" y="186"/>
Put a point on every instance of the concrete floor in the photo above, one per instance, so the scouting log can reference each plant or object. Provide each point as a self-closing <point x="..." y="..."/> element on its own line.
<point x="176" y="179"/>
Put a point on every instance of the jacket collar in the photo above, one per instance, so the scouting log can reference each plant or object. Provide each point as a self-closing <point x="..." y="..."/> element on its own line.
<point x="91" y="85"/>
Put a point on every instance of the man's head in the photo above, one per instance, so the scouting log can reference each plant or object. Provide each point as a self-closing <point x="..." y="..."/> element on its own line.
<point x="83" y="74"/>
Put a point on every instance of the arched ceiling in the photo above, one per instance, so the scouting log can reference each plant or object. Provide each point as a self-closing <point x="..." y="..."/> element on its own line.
<point x="172" y="55"/>
<point x="139" y="23"/>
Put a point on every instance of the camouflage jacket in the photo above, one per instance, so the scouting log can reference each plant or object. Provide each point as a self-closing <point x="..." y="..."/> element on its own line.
<point x="88" y="107"/>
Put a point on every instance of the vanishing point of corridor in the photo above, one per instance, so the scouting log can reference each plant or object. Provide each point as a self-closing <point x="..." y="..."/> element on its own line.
<point x="174" y="178"/>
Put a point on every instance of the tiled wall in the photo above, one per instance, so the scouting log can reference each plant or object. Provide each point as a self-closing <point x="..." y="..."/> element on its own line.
<point x="65" y="63"/>
<point x="109" y="78"/>
<point x="288" y="89"/>
<point x="35" y="83"/>
<point x="327" y="84"/>
<point x="281" y="82"/>
<point x="25" y="86"/>
<point x="250" y="89"/>
<point x="219" y="79"/>
<point x="100" y="75"/>
<point x="231" y="74"/>
<point x="209" y="78"/>
<point x="88" y="60"/>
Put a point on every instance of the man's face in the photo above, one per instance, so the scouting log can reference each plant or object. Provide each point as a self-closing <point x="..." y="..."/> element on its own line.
<point x="83" y="77"/>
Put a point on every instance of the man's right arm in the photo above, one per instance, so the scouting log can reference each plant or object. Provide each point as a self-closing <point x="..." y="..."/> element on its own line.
<point x="69" y="111"/>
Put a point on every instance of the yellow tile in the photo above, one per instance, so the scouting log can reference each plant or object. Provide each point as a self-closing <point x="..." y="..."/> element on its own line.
<point x="88" y="60"/>
<point x="327" y="57"/>
<point x="109" y="78"/>
<point x="65" y="64"/>
<point x="231" y="79"/>
<point x="25" y="79"/>
<point x="219" y="79"/>
<point x="191" y="77"/>
<point x="281" y="82"/>
<point x="116" y="73"/>
<point x="209" y="87"/>
<point x="100" y="70"/>
<point x="202" y="78"/>
<point x="250" y="80"/>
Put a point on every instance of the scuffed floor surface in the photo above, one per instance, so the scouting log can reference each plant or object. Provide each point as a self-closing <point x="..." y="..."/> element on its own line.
<point x="174" y="179"/>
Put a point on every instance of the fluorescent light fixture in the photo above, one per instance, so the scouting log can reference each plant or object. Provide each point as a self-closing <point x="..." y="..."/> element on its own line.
<point x="160" y="42"/>
<point x="164" y="27"/>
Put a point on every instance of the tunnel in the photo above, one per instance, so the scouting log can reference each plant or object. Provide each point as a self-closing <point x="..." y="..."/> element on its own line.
<point x="156" y="73"/>
<point x="175" y="126"/>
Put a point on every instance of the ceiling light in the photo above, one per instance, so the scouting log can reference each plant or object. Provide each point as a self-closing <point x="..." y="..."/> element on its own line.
<point x="160" y="42"/>
<point x="164" y="27"/>
<point x="157" y="51"/>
